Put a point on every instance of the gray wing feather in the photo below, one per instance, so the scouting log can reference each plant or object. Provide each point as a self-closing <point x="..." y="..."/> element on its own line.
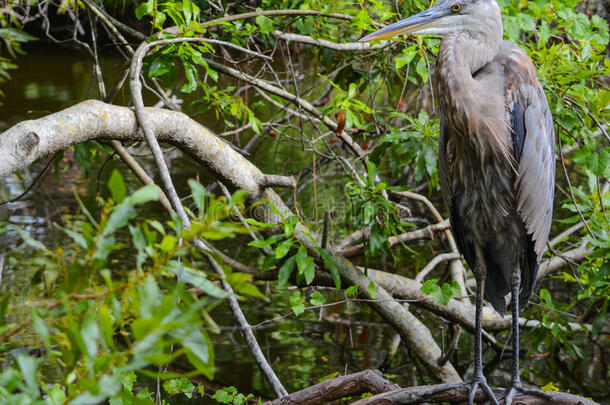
<point x="536" y="172"/>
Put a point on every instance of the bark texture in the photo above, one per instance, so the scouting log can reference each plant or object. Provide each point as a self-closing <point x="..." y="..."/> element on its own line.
<point x="353" y="384"/>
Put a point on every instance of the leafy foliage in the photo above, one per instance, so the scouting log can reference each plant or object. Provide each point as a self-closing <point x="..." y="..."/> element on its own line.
<point x="104" y="328"/>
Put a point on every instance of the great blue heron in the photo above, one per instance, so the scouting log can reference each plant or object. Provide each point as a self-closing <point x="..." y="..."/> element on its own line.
<point x="496" y="159"/>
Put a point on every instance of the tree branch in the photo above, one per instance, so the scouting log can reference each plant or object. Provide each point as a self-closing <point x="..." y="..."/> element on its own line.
<point x="337" y="388"/>
<point x="417" y="395"/>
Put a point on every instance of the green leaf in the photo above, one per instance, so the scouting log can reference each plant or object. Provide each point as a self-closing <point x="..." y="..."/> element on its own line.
<point x="317" y="299"/>
<point x="29" y="369"/>
<point x="198" y="193"/>
<point x="286" y="270"/>
<point x="179" y="385"/>
<point x="265" y="23"/>
<point x="261" y="243"/>
<point x="431" y="288"/>
<point x="297" y="303"/>
<point x="422" y="69"/>
<point x="196" y="279"/>
<point x="371" y="290"/>
<point x="117" y="187"/>
<point x="187" y="6"/>
<point x="550" y="387"/>
<point x="407" y="55"/>
<point x="28" y="239"/>
<point x="351" y="291"/>
<point x="76" y="237"/>
<point x="143" y="195"/>
<point x="41" y="329"/>
<point x="456" y="291"/>
<point x="305" y="264"/>
<point x="331" y="265"/>
<point x="144" y="8"/>
<point x="283" y="248"/>
<point x="191" y="78"/>
<point x="225" y="395"/>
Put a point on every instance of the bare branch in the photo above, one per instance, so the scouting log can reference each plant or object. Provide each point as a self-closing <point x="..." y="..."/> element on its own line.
<point x="272" y="180"/>
<point x="425" y="233"/>
<point x="434" y="262"/>
<point x="144" y="122"/>
<point x="350" y="46"/>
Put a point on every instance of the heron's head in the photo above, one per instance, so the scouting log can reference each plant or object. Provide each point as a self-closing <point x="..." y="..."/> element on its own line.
<point x="477" y="17"/>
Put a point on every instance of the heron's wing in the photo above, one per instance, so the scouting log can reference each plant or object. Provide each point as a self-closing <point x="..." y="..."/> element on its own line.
<point x="534" y="146"/>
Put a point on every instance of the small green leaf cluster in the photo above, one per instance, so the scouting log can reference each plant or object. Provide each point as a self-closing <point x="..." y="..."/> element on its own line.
<point x="441" y="293"/>
<point x="280" y="247"/>
<point x="416" y="144"/>
<point x="371" y="210"/>
<point x="350" y="104"/>
<point x="230" y="395"/>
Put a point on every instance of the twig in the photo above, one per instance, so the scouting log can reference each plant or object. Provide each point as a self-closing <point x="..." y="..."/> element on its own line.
<point x="458" y="272"/>
<point x="34" y="182"/>
<point x="567" y="176"/>
<point x="254" y="14"/>
<point x="1" y="267"/>
<point x="350" y="46"/>
<point x="434" y="262"/>
<point x="425" y="233"/>
<point x="272" y="180"/>
<point x="325" y="230"/>
<point x="568" y="232"/>
<point x="452" y="346"/>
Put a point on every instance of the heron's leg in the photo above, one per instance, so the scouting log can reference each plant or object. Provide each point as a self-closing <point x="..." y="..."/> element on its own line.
<point x="515" y="381"/>
<point x="478" y="378"/>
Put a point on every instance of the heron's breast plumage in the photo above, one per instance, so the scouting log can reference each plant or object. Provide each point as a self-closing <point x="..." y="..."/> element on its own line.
<point x="478" y="167"/>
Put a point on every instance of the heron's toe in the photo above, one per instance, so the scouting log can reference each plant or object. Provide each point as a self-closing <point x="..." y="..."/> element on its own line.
<point x="511" y="392"/>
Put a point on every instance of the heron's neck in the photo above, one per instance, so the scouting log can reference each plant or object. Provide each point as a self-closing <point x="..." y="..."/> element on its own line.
<point x="474" y="108"/>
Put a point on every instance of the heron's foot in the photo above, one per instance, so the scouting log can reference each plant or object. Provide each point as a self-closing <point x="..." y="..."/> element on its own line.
<point x="517" y="389"/>
<point x="472" y="385"/>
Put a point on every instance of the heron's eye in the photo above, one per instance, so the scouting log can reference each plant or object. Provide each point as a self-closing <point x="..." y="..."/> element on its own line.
<point x="456" y="8"/>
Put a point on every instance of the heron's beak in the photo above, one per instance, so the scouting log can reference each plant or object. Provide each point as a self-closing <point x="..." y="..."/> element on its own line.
<point x="418" y="22"/>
